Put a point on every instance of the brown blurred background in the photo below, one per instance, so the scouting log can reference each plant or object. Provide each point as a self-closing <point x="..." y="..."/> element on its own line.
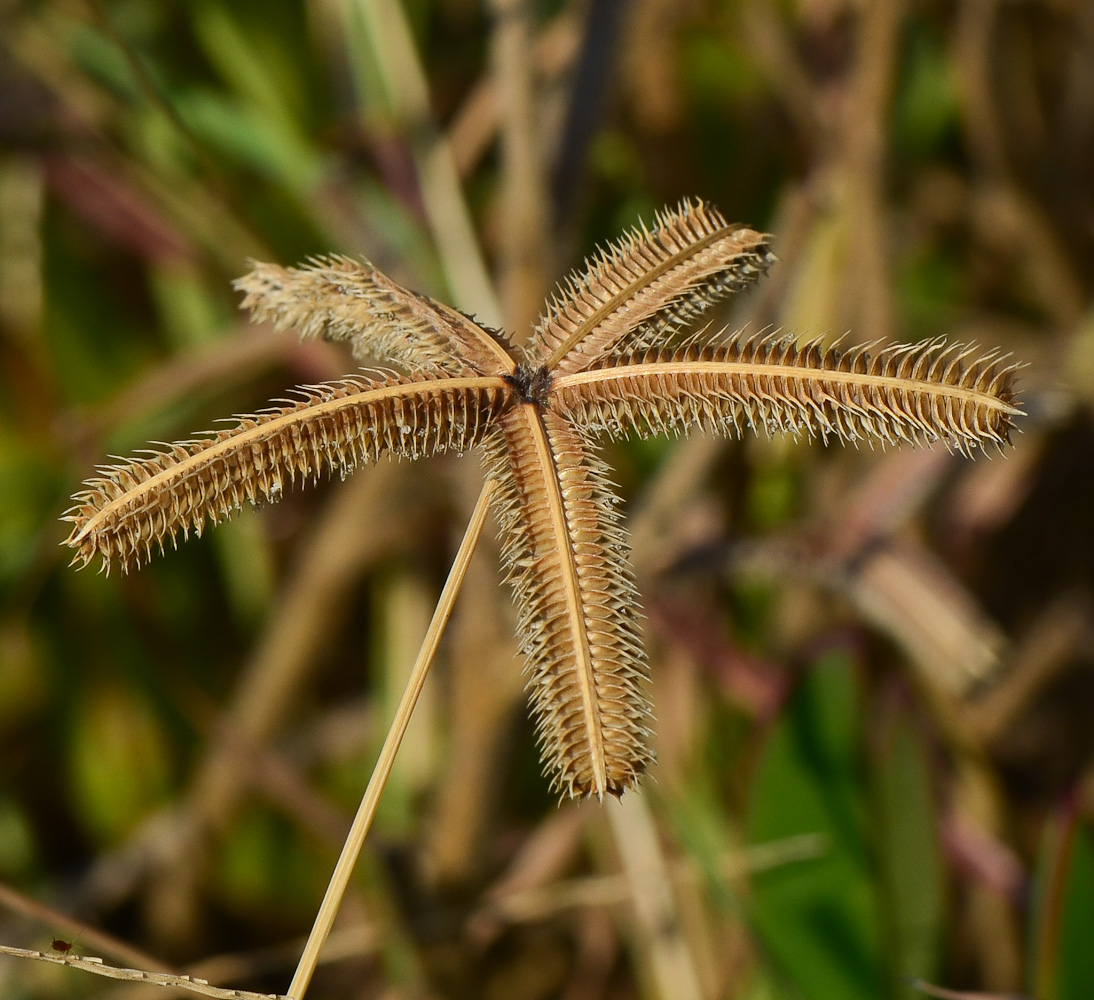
<point x="873" y="671"/>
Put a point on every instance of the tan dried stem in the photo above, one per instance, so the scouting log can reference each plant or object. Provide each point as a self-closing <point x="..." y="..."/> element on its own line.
<point x="324" y="919"/>
<point x="657" y="918"/>
<point x="96" y="966"/>
<point x="407" y="88"/>
<point x="523" y="250"/>
<point x="865" y="126"/>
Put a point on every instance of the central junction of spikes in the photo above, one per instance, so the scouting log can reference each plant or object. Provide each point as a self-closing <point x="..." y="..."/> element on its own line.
<point x="531" y="385"/>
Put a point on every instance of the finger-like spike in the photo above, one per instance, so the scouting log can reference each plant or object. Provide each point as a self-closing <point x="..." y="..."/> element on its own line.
<point x="568" y="563"/>
<point x="343" y="299"/>
<point x="641" y="289"/>
<point x="147" y="500"/>
<point x="931" y="392"/>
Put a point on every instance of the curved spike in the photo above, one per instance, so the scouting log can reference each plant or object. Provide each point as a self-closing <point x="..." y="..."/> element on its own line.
<point x="926" y="393"/>
<point x="639" y="290"/>
<point x="340" y="425"/>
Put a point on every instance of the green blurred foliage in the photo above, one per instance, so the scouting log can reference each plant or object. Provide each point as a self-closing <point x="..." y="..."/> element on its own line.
<point x="819" y="920"/>
<point x="119" y="766"/>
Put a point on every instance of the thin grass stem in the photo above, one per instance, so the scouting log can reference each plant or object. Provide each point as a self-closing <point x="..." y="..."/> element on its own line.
<point x="659" y="930"/>
<point x="343" y="870"/>
<point x="407" y="88"/>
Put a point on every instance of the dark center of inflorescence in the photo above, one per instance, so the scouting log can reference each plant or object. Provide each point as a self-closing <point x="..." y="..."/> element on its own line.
<point x="531" y="385"/>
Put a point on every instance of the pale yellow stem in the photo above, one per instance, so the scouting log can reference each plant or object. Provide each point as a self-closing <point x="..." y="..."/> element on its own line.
<point x="324" y="919"/>
<point x="400" y="68"/>
<point x="659" y="933"/>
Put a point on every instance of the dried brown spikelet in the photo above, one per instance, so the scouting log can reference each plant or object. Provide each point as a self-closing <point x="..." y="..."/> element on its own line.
<point x="648" y="283"/>
<point x="569" y="565"/>
<point x="142" y="503"/>
<point x="343" y="299"/>
<point x="920" y="393"/>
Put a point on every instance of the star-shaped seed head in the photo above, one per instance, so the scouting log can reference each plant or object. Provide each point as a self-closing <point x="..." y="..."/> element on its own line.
<point x="611" y="356"/>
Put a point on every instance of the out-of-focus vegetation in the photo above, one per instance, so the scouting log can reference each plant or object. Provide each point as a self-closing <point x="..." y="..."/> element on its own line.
<point x="893" y="651"/>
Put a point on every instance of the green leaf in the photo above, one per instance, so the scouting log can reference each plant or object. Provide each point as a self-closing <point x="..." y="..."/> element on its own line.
<point x="926" y="112"/>
<point x="246" y="135"/>
<point x="818" y="920"/>
<point x="29" y="494"/>
<point x="1064" y="914"/>
<point x="911" y="867"/>
<point x="1075" y="968"/>
<point x="260" y="864"/>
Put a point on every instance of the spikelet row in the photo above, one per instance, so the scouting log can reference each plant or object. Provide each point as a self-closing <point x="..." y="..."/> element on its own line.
<point x="919" y="393"/>
<point x="648" y="282"/>
<point x="138" y="505"/>
<point x="338" y="298"/>
<point x="585" y="664"/>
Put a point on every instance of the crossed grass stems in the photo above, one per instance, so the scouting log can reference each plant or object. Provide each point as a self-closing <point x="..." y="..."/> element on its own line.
<point x="610" y="356"/>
